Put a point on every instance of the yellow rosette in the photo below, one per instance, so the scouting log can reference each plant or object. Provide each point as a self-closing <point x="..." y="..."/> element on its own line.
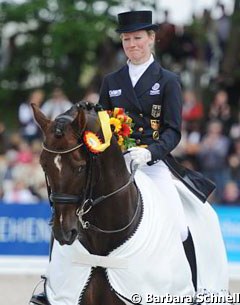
<point x="92" y="141"/>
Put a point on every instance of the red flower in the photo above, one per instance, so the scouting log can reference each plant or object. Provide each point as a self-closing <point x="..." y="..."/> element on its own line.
<point x="122" y="117"/>
<point x="125" y="130"/>
<point x="117" y="111"/>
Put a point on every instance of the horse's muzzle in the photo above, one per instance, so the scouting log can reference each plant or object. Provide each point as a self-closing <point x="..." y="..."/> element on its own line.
<point x="65" y="238"/>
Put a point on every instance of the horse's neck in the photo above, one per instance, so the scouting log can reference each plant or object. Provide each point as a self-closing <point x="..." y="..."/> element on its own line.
<point x="114" y="172"/>
<point x="114" y="175"/>
<point x="116" y="211"/>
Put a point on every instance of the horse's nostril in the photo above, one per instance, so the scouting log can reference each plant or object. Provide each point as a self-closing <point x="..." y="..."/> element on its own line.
<point x="74" y="233"/>
<point x="66" y="237"/>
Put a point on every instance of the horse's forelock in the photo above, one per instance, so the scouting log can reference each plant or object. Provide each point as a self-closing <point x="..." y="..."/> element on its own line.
<point x="87" y="118"/>
<point x="72" y="116"/>
<point x="60" y="126"/>
<point x="65" y="119"/>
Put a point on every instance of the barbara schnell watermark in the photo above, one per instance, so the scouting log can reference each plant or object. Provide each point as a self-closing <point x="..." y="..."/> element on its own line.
<point x="200" y="298"/>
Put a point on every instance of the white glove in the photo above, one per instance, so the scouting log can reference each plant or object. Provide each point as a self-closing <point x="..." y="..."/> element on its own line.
<point x="140" y="155"/>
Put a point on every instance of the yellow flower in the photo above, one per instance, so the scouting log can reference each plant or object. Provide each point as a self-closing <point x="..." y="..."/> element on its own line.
<point x="129" y="120"/>
<point x="116" y="123"/>
<point x="121" y="117"/>
<point x="120" y="140"/>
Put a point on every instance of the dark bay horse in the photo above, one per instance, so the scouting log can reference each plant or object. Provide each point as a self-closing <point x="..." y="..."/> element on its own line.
<point x="94" y="198"/>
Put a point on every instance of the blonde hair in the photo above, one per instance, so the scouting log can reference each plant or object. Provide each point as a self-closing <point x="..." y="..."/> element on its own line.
<point x="152" y="46"/>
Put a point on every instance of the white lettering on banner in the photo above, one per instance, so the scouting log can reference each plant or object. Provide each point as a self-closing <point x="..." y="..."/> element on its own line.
<point x="30" y="230"/>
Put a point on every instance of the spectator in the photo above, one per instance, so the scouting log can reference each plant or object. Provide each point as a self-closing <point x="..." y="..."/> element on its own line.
<point x="165" y="37"/>
<point x="192" y="108"/>
<point x="231" y="193"/>
<point x="28" y="128"/>
<point x="212" y="156"/>
<point x="19" y="194"/>
<point x="24" y="155"/>
<point x="7" y="171"/>
<point x="235" y="128"/>
<point x="187" y="150"/>
<point x="223" y="26"/>
<point x="3" y="139"/>
<point x="220" y="110"/>
<point x="21" y="164"/>
<point x="234" y="162"/>
<point x="3" y="168"/>
<point x="58" y="104"/>
<point x="37" y="183"/>
<point x="211" y="48"/>
<point x="185" y="48"/>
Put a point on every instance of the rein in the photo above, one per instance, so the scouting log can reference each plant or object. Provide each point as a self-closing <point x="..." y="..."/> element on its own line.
<point x="81" y="212"/>
<point x="87" y="225"/>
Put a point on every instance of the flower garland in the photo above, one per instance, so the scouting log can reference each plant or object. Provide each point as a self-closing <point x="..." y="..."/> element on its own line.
<point x="122" y="126"/>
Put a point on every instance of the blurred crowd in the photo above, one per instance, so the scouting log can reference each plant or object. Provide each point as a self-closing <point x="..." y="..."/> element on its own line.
<point x="21" y="177"/>
<point x="210" y="143"/>
<point x="210" y="130"/>
<point x="198" y="49"/>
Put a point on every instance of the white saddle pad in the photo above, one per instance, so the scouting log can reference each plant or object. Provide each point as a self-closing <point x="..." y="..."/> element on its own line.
<point x="151" y="262"/>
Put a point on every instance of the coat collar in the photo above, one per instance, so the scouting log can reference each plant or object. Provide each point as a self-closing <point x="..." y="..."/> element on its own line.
<point x="152" y="74"/>
<point x="124" y="81"/>
<point x="149" y="77"/>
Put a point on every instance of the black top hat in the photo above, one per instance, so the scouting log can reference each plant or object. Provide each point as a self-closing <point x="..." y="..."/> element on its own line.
<point x="135" y="21"/>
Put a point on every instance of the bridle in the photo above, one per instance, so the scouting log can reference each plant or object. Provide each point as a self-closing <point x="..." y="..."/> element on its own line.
<point x="62" y="152"/>
<point x="85" y="200"/>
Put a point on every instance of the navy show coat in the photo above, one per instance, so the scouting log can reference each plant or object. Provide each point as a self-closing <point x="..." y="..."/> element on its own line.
<point x="155" y="105"/>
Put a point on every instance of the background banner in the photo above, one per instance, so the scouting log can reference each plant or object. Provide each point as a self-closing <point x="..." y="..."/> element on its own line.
<point x="229" y="218"/>
<point x="25" y="230"/>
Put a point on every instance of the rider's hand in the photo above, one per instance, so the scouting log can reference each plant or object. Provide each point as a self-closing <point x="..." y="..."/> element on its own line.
<point x="140" y="155"/>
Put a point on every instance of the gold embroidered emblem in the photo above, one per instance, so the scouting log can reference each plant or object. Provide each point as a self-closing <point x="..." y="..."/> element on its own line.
<point x="156" y="111"/>
<point x="155" y="124"/>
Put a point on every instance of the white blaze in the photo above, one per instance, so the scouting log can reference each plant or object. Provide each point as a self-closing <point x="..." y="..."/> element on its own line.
<point x="57" y="162"/>
<point x="61" y="219"/>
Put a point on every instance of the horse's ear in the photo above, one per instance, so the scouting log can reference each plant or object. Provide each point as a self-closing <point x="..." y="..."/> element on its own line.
<point x="80" y="121"/>
<point x="40" y="118"/>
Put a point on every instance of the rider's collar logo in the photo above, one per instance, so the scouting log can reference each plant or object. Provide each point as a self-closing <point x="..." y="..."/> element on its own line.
<point x="156" y="86"/>
<point x="155" y="89"/>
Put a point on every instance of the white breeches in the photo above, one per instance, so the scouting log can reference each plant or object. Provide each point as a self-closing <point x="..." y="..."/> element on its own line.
<point x="161" y="176"/>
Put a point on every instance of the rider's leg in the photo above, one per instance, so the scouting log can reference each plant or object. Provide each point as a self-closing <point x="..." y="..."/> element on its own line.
<point x="162" y="178"/>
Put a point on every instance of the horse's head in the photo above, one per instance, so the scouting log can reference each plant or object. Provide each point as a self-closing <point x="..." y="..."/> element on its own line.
<point x="64" y="159"/>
